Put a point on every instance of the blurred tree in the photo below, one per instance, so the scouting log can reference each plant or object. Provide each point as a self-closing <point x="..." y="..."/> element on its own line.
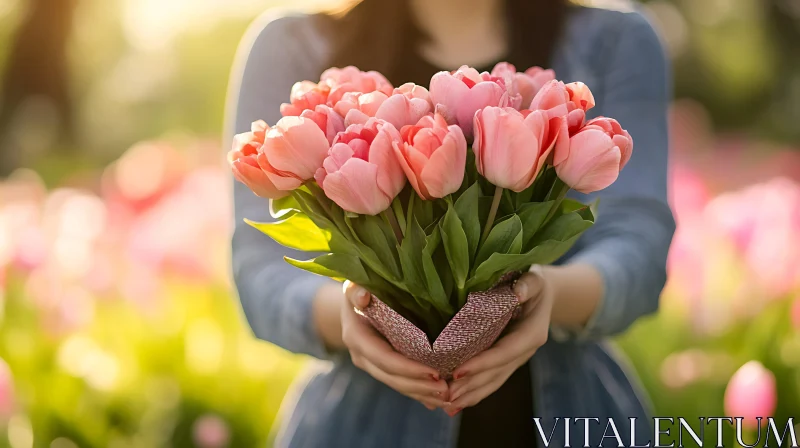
<point x="784" y="18"/>
<point x="37" y="68"/>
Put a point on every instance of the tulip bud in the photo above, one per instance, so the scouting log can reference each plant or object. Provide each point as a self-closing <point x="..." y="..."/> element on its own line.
<point x="595" y="155"/>
<point x="511" y="147"/>
<point x="433" y="156"/>
<point x="292" y="152"/>
<point x="751" y="393"/>
<point x="243" y="159"/>
<point x="361" y="173"/>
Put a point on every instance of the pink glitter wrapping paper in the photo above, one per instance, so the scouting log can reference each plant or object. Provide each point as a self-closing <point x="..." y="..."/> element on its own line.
<point x="472" y="330"/>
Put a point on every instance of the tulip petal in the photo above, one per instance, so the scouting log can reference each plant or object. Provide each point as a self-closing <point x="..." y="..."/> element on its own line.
<point x="448" y="91"/>
<point x="482" y="95"/>
<point x="444" y="171"/>
<point x="593" y="163"/>
<point x="409" y="159"/>
<point x="256" y="180"/>
<point x="391" y="179"/>
<point x="354" y="187"/>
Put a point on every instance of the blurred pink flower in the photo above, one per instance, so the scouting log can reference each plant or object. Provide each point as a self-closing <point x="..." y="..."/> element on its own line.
<point x="211" y="431"/>
<point x="6" y="390"/>
<point x="751" y="393"/>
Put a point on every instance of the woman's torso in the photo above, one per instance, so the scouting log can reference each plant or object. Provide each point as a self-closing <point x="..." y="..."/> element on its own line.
<point x="337" y="405"/>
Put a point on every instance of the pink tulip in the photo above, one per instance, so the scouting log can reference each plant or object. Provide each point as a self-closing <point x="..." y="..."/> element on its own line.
<point x="210" y="431"/>
<point x="457" y="96"/>
<point x="566" y="100"/>
<point x="305" y="95"/>
<point x="591" y="162"/>
<point x="751" y="393"/>
<point x="6" y="390"/>
<point x="293" y="150"/>
<point x="511" y="147"/>
<point x="243" y="159"/>
<point x="397" y="109"/>
<point x="351" y="79"/>
<point x="414" y="91"/>
<point x="528" y="83"/>
<point x="433" y="156"/>
<point x="327" y="119"/>
<point x="621" y="138"/>
<point x="361" y="173"/>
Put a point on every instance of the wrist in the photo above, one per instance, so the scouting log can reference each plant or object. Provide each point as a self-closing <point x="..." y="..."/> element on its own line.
<point x="326" y="313"/>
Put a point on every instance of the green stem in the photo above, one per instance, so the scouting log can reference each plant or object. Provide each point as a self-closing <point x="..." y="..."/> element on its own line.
<point x="410" y="214"/>
<point x="398" y="232"/>
<point x="498" y="194"/>
<point x="557" y="194"/>
<point x="397" y="207"/>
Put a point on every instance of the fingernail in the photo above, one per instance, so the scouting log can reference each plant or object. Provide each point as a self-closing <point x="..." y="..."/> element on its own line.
<point x="521" y="290"/>
<point x="437" y="394"/>
<point x="364" y="295"/>
<point x="434" y="377"/>
<point x="447" y="403"/>
<point x="454" y="412"/>
<point x="459" y="375"/>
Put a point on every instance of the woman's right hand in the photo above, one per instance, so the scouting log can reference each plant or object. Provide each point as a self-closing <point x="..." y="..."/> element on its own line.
<point x="373" y="354"/>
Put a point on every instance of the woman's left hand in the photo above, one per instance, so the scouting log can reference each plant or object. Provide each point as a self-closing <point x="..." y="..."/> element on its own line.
<point x="479" y="377"/>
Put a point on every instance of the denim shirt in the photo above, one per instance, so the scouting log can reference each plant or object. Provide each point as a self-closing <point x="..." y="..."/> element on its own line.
<point x="576" y="373"/>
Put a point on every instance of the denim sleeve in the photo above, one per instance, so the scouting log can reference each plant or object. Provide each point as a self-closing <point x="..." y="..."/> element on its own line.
<point x="276" y="297"/>
<point x="628" y="245"/>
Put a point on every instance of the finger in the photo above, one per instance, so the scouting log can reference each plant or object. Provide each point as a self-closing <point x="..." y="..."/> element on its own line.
<point x="506" y="350"/>
<point x="528" y="286"/>
<point x="356" y="295"/>
<point x="430" y="403"/>
<point x="474" y="397"/>
<point x="370" y="344"/>
<point x="432" y="390"/>
<point x="473" y="382"/>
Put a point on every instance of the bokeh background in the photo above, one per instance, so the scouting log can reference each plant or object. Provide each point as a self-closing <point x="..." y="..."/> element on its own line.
<point x="117" y="323"/>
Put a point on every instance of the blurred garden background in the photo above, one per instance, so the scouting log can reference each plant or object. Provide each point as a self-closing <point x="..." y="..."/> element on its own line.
<point x="117" y="323"/>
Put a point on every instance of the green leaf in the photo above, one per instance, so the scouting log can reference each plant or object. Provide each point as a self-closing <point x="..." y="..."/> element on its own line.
<point x="410" y="250"/>
<point x="337" y="266"/>
<point x="435" y="287"/>
<point x="505" y="238"/>
<point x="467" y="209"/>
<point x="296" y="232"/>
<point x="487" y="274"/>
<point x="376" y="235"/>
<point x="532" y="216"/>
<point x="314" y="267"/>
<point x="456" y="246"/>
<point x="348" y="266"/>
<point x="566" y="226"/>
<point x="279" y="208"/>
<point x="423" y="211"/>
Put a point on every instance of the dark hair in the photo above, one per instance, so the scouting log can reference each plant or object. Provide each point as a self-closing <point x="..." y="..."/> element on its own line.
<point x="365" y="38"/>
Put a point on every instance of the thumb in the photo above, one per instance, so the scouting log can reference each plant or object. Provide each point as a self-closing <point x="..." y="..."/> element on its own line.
<point x="356" y="295"/>
<point x="530" y="285"/>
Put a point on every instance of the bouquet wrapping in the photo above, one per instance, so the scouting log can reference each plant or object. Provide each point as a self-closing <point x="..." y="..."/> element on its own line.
<point x="432" y="198"/>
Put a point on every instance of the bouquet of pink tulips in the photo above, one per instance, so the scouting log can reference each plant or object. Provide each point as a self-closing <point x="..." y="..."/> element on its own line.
<point x="427" y="196"/>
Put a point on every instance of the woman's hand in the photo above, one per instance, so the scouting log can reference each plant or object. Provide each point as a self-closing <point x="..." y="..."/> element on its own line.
<point x="371" y="353"/>
<point x="479" y="377"/>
